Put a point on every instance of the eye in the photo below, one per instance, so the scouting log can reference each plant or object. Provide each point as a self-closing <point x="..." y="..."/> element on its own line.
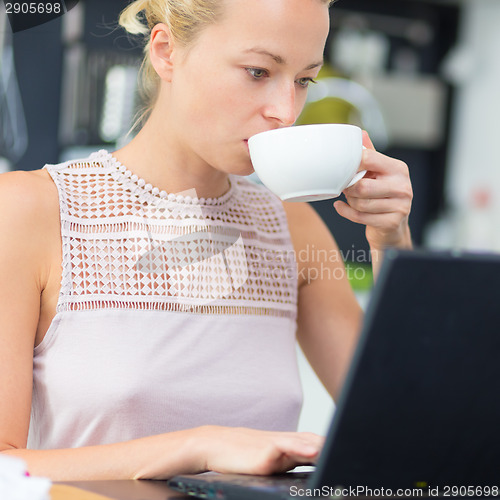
<point x="257" y="73"/>
<point x="304" y="82"/>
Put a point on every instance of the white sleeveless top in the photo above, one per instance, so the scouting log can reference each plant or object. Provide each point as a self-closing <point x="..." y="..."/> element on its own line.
<point x="174" y="311"/>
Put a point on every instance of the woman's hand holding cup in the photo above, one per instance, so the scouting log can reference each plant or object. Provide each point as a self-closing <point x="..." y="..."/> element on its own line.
<point x="318" y="162"/>
<point x="381" y="200"/>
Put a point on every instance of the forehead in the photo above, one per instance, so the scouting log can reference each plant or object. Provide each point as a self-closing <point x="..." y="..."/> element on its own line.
<point x="290" y="26"/>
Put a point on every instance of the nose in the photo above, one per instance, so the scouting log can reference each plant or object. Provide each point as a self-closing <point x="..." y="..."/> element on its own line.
<point x="282" y="105"/>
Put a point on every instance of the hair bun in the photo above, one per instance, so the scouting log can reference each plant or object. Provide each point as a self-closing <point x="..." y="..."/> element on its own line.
<point x="133" y="16"/>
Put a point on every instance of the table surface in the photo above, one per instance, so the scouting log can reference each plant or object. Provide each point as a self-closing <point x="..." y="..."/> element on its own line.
<point x="140" y="490"/>
<point x="116" y="489"/>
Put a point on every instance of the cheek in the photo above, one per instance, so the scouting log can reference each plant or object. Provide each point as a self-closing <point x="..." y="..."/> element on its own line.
<point x="231" y="100"/>
<point x="300" y="103"/>
<point x="192" y="104"/>
<point x="214" y="101"/>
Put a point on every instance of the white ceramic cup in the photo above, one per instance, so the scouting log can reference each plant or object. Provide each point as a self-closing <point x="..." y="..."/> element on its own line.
<point x="308" y="162"/>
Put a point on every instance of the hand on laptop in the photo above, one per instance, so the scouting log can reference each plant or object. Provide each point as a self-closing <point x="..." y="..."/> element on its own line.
<point x="249" y="451"/>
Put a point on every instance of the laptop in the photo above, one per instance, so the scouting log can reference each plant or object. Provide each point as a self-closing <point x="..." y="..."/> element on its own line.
<point x="419" y="411"/>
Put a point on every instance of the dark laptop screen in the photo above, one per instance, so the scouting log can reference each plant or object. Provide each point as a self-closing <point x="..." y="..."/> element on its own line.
<point x="420" y="405"/>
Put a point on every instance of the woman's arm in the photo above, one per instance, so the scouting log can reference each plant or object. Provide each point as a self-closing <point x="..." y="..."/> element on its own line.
<point x="329" y="316"/>
<point x="21" y="283"/>
<point x="28" y="206"/>
<point x="220" y="449"/>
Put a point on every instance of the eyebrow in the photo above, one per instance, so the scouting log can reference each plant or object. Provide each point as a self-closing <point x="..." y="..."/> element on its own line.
<point x="279" y="59"/>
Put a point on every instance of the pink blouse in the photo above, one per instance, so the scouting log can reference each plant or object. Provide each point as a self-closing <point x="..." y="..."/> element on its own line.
<point x="174" y="311"/>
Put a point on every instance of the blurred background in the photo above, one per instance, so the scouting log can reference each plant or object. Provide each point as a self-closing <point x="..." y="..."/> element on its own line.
<point x="421" y="76"/>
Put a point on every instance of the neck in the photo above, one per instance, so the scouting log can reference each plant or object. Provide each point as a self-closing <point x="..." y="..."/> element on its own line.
<point x="159" y="157"/>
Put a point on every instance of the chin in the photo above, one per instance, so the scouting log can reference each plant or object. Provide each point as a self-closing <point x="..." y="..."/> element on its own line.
<point x="239" y="168"/>
<point x="246" y="170"/>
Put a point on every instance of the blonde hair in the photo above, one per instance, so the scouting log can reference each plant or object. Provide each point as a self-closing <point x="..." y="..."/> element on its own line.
<point x="185" y="19"/>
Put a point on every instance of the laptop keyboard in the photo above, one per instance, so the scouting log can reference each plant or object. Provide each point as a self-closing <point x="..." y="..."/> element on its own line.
<point x="207" y="487"/>
<point x="280" y="482"/>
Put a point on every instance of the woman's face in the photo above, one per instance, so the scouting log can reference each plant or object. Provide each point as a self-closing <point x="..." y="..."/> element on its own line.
<point x="246" y="74"/>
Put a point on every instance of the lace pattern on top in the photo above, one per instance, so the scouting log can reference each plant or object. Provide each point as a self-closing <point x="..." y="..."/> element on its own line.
<point x="126" y="244"/>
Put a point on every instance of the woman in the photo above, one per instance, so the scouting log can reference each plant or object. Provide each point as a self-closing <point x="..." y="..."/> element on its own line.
<point x="161" y="291"/>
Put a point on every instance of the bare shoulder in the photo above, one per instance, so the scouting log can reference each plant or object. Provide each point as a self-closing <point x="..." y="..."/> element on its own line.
<point x="35" y="185"/>
<point x="27" y="195"/>
<point x="29" y="210"/>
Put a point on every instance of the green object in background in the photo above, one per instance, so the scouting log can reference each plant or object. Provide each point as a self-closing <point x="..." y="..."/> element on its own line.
<point x="360" y="276"/>
<point x="329" y="109"/>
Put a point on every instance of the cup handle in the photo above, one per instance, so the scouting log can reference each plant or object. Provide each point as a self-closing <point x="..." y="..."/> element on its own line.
<point x="357" y="177"/>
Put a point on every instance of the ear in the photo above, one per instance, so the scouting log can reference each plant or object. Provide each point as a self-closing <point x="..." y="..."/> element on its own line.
<point x="161" y="51"/>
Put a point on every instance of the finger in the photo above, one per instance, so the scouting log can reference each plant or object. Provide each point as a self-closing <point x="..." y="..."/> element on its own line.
<point x="286" y="457"/>
<point x="367" y="142"/>
<point x="387" y="221"/>
<point x="373" y="205"/>
<point x="311" y="438"/>
<point x="300" y="451"/>
<point x="301" y="445"/>
<point x="286" y="463"/>
<point x="302" y="436"/>
<point x="292" y="461"/>
<point x="377" y="189"/>
<point x="373" y="161"/>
